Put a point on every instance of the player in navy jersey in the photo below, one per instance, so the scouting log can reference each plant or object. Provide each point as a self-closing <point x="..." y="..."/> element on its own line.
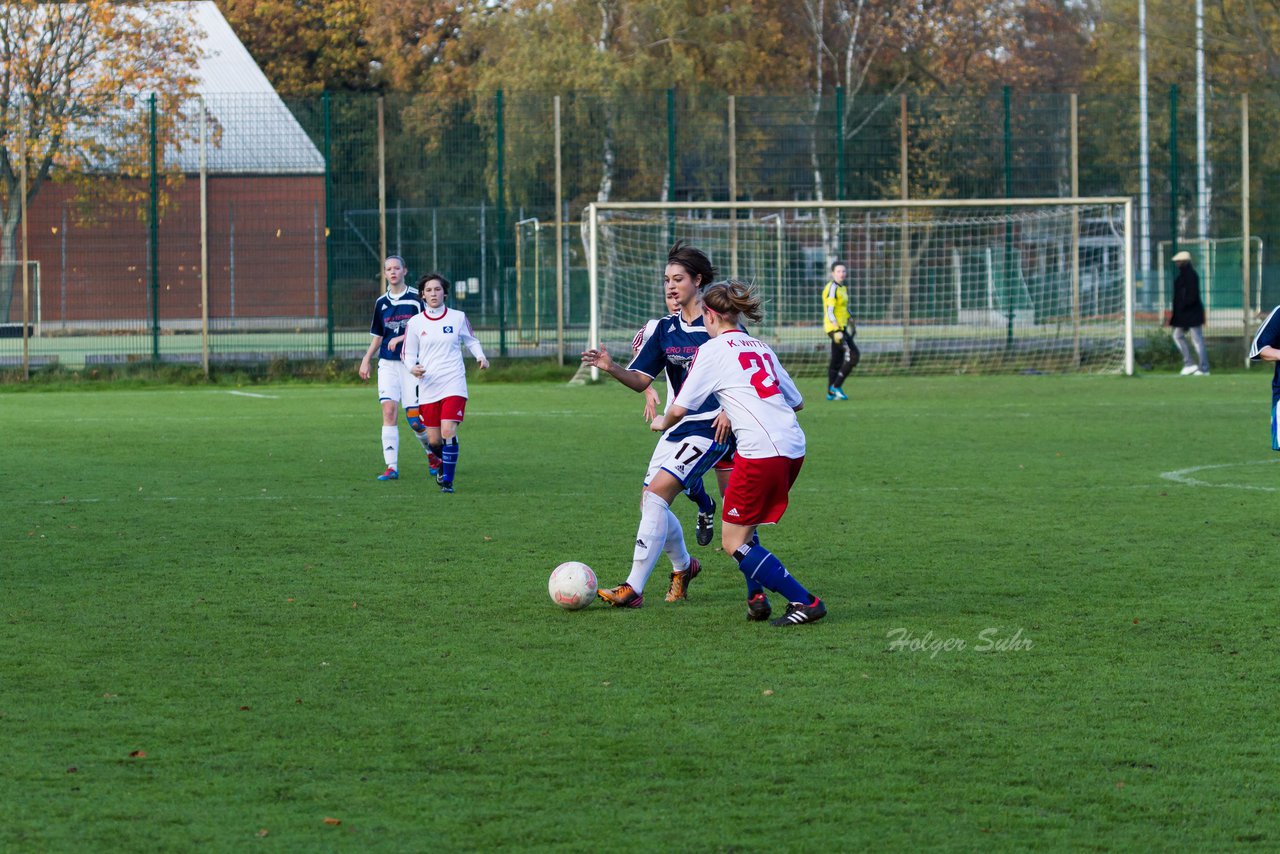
<point x="391" y="312"/>
<point x="684" y="453"/>
<point x="760" y="400"/>
<point x="696" y="491"/>
<point x="1266" y="348"/>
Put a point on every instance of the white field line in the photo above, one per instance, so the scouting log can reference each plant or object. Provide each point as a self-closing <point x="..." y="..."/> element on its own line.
<point x="1183" y="476"/>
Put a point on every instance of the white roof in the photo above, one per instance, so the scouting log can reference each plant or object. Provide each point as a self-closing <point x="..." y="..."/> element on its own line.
<point x="257" y="133"/>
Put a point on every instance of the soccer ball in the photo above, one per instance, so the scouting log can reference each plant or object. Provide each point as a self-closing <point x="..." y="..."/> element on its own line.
<point x="572" y="585"/>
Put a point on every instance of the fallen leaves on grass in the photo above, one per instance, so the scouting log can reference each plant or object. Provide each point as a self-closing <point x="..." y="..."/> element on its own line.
<point x="331" y="821"/>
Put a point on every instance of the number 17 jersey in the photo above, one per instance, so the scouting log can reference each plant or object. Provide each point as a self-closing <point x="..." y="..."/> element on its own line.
<point x="755" y="390"/>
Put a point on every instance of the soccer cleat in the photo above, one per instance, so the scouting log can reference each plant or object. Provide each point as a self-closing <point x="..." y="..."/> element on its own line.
<point x="1189" y="370"/>
<point x="679" y="587"/>
<point x="839" y="393"/>
<point x="439" y="478"/>
<point x="622" y="596"/>
<point x="434" y="464"/>
<point x="831" y="392"/>
<point x="798" y="614"/>
<point x="758" y="609"/>
<point x="446" y="486"/>
<point x="389" y="474"/>
<point x="706" y="527"/>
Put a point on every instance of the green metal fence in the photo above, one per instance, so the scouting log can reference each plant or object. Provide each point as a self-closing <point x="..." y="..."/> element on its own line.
<point x="256" y="231"/>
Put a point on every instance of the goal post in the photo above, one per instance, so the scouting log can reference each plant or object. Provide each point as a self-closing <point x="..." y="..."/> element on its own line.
<point x="935" y="286"/>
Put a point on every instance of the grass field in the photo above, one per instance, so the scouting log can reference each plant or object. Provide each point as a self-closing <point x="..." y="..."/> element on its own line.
<point x="221" y="633"/>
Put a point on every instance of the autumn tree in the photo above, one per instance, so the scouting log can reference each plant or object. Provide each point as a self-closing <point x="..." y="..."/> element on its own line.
<point x="306" y="47"/>
<point x="72" y="93"/>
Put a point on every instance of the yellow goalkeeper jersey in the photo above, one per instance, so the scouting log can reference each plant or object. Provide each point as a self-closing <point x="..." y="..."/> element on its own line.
<point x="835" y="307"/>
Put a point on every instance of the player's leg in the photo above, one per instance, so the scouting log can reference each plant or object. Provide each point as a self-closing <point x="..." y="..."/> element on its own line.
<point x="846" y="365"/>
<point x="412" y="414"/>
<point x="659" y="531"/>
<point x="1180" y="341"/>
<point x="833" y="365"/>
<point x="1275" y="421"/>
<point x="389" y="394"/>
<point x="1202" y="352"/>
<point x="686" y="460"/>
<point x="452" y="411"/>
<point x="724" y="470"/>
<point x="758" y="492"/>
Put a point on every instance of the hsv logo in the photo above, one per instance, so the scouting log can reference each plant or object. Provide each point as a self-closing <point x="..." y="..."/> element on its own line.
<point x="448" y="329"/>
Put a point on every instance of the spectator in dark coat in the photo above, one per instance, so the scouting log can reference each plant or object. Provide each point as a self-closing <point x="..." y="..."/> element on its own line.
<point x="1188" y="316"/>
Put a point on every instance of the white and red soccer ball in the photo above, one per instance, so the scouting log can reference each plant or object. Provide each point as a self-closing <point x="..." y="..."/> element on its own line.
<point x="572" y="585"/>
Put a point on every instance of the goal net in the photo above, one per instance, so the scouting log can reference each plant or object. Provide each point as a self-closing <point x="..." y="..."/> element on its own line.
<point x="965" y="286"/>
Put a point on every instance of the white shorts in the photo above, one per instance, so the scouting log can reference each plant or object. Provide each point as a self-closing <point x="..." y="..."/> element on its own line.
<point x="687" y="458"/>
<point x="393" y="379"/>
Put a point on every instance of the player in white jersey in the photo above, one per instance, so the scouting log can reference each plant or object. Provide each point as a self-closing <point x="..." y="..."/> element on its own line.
<point x="433" y="353"/>
<point x="696" y="491"/>
<point x="391" y="312"/>
<point x="761" y="401"/>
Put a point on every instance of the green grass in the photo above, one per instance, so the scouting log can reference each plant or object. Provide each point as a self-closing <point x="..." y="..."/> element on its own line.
<point x="217" y="581"/>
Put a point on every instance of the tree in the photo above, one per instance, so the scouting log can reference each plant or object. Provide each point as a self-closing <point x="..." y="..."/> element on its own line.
<point x="306" y="47"/>
<point x="74" y="81"/>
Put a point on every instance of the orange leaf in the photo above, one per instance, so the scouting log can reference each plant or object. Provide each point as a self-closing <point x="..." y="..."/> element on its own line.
<point x="138" y="754"/>
<point x="332" y="821"/>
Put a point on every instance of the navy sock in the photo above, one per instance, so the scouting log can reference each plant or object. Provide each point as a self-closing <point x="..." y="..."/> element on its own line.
<point x="449" y="453"/>
<point x="753" y="586"/>
<point x="759" y="564"/>
<point x="698" y="494"/>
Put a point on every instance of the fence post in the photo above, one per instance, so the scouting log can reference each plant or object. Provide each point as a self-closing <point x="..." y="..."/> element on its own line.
<point x="154" y="237"/>
<point x="842" y="188"/>
<point x="904" y="238"/>
<point x="559" y="242"/>
<point x="328" y="239"/>
<point x="26" y="274"/>
<point x="1173" y="171"/>
<point x="1244" y="223"/>
<point x="502" y="226"/>
<point x="1075" y="231"/>
<point x="1008" y="225"/>
<point x="671" y="163"/>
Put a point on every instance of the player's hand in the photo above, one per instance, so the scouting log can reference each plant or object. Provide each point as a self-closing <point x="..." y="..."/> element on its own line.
<point x="484" y="364"/>
<point x="850" y="330"/>
<point x="837" y="337"/>
<point x="395" y="342"/>
<point x="650" y="404"/>
<point x="597" y="359"/>
<point x="418" y="371"/>
<point x="364" y="369"/>
<point x="723" y="427"/>
<point x="658" y="425"/>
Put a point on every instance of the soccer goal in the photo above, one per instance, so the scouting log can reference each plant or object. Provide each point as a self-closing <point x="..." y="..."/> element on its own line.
<point x="980" y="285"/>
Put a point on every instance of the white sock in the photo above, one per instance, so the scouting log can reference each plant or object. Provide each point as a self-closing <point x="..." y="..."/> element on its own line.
<point x="424" y="441"/>
<point x="391" y="446"/>
<point x="675" y="547"/>
<point x="651" y="538"/>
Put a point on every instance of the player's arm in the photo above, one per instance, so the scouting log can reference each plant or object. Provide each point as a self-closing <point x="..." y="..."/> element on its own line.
<point x="366" y="362"/>
<point x="1269" y="354"/>
<point x="599" y="358"/>
<point x="668" y="419"/>
<point x="473" y="344"/>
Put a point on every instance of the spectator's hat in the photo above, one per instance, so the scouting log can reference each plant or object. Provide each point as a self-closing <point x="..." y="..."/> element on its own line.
<point x="1184" y="255"/>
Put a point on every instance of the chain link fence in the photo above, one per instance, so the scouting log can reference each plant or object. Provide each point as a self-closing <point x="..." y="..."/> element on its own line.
<point x="244" y="229"/>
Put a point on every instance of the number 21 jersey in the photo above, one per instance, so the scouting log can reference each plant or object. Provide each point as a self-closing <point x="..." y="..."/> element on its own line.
<point x="755" y="390"/>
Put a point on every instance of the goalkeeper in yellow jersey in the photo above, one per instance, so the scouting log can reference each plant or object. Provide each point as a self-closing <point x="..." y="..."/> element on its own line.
<point x="838" y="326"/>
